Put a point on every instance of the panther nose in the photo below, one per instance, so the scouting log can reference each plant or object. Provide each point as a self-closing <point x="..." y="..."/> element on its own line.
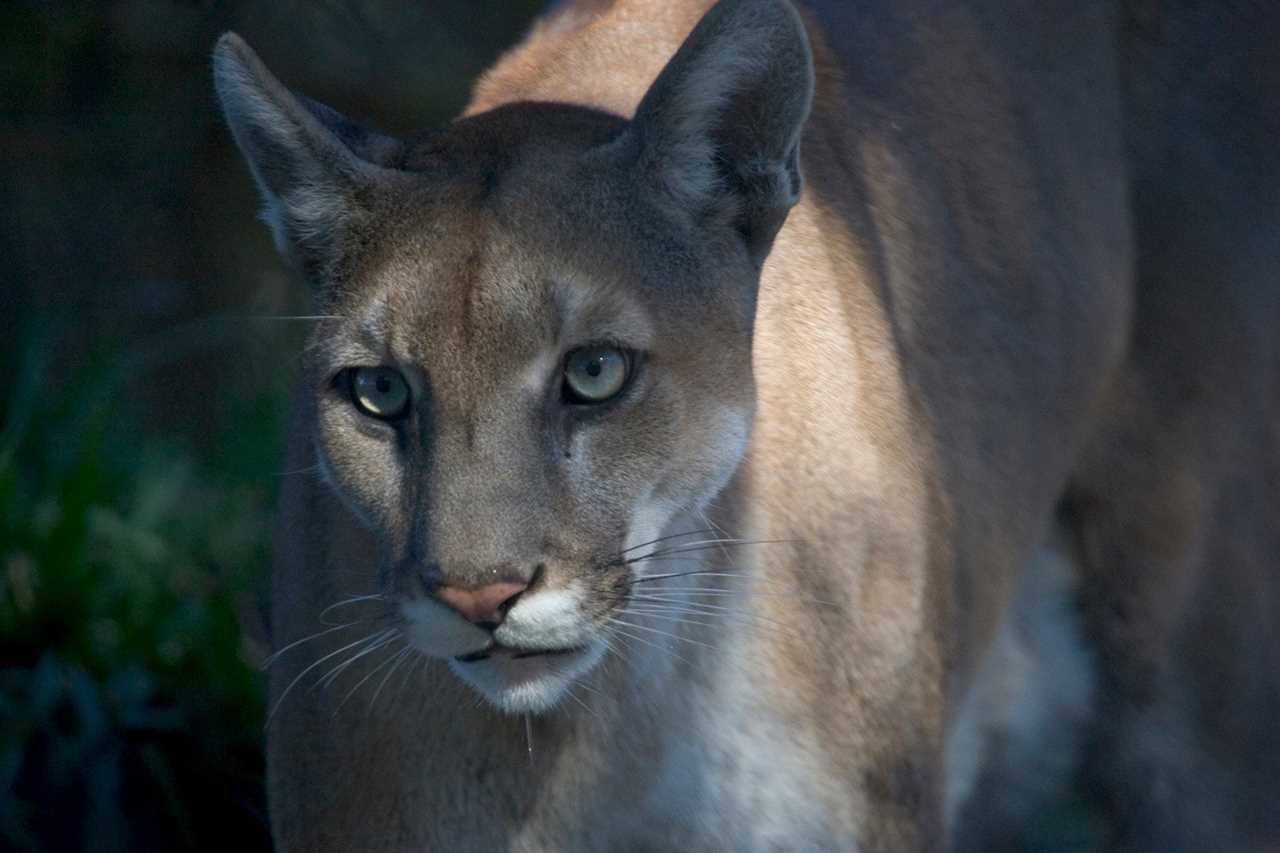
<point x="486" y="606"/>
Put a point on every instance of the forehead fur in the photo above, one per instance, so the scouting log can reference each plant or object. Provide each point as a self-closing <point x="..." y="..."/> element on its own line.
<point x="552" y="178"/>
<point x="516" y="221"/>
<point x="487" y="145"/>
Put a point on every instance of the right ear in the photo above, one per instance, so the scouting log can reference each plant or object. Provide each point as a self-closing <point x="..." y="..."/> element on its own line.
<point x="719" y="130"/>
<point x="308" y="161"/>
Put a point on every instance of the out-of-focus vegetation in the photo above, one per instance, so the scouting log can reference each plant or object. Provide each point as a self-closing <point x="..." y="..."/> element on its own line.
<point x="132" y="716"/>
<point x="141" y="420"/>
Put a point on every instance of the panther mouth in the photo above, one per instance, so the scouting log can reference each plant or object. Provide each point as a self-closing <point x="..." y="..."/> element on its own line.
<point x="522" y="679"/>
<point x="514" y="653"/>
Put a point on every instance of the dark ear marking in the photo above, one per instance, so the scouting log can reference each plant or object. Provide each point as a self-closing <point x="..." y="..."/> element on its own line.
<point x="308" y="160"/>
<point x="719" y="130"/>
<point x="365" y="143"/>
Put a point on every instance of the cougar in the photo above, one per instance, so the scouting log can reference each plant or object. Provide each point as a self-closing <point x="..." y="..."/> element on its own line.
<point x="848" y="426"/>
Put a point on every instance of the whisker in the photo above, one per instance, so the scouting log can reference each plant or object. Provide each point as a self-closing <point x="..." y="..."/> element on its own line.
<point x="408" y="676"/>
<point x="383" y="616"/>
<point x="584" y="685"/>
<point x="673" y="616"/>
<point x="719" y="531"/>
<point x="617" y="649"/>
<point x="750" y="577"/>
<point x="403" y="656"/>
<point x="665" y="634"/>
<point x="763" y="593"/>
<point x="725" y="659"/>
<point x="665" y="538"/>
<point x="677" y="558"/>
<point x="706" y="607"/>
<point x="302" y="674"/>
<point x="733" y="593"/>
<point x="329" y="677"/>
<point x="312" y="469"/>
<point x="348" y="601"/>
<point x="724" y="591"/>
<point x="650" y="643"/>
<point x="704" y="545"/>
<point x="692" y="573"/>
<point x="367" y="676"/>
<point x="275" y="656"/>
<point x="584" y="706"/>
<point x="741" y="620"/>
<point x="715" y="540"/>
<point x="380" y="617"/>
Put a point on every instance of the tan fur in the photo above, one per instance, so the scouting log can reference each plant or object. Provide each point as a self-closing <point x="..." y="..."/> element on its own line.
<point x="1029" y="287"/>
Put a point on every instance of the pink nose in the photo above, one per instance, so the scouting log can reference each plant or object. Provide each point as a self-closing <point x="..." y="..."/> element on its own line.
<point x="485" y="604"/>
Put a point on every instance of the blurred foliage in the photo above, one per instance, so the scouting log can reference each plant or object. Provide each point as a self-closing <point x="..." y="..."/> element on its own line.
<point x="141" y="426"/>
<point x="131" y="718"/>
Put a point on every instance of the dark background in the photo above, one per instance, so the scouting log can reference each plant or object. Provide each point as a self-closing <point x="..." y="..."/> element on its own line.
<point x="142" y="407"/>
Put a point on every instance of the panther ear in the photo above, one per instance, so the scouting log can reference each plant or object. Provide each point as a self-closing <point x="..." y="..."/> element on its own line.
<point x="308" y="160"/>
<point x="719" y="130"/>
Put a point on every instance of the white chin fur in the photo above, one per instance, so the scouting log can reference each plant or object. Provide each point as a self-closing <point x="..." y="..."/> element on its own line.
<point x="528" y="685"/>
<point x="549" y="619"/>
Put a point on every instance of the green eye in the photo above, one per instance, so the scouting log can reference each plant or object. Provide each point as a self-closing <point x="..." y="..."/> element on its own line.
<point x="380" y="392"/>
<point x="594" y="374"/>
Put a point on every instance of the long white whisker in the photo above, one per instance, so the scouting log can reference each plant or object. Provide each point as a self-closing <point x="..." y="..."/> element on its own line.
<point x="706" y="605"/>
<point x="719" y="532"/>
<point x="408" y="676"/>
<point x="617" y="650"/>
<point x="349" y="601"/>
<point x="719" y="540"/>
<point x="367" y="676"/>
<point x="664" y="634"/>
<point x="652" y="644"/>
<point x="276" y="655"/>
<point x="584" y="705"/>
<point x="705" y="545"/>
<point x="332" y="675"/>
<point x="665" y="538"/>
<point x="730" y="593"/>
<point x="313" y="469"/>
<point x="699" y="606"/>
<point x="302" y="674"/>
<point x="709" y="573"/>
<point x="403" y="656"/>
<point x="712" y="572"/>
<point x="674" y="616"/>
<point x="589" y="688"/>
<point x="743" y="620"/>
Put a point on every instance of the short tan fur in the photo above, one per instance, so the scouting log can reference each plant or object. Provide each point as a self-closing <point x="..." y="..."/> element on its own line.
<point x="941" y="477"/>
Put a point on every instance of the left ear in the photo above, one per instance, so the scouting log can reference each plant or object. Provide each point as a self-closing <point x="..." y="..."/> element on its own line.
<point x="310" y="162"/>
<point x="719" y="130"/>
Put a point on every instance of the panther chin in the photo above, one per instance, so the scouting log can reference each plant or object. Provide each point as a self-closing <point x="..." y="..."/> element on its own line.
<point x="526" y="681"/>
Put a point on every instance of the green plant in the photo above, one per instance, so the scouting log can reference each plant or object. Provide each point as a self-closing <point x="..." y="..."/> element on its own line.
<point x="131" y="714"/>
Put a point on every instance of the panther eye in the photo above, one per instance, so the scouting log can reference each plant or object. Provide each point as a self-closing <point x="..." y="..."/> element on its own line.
<point x="594" y="374"/>
<point x="379" y="392"/>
